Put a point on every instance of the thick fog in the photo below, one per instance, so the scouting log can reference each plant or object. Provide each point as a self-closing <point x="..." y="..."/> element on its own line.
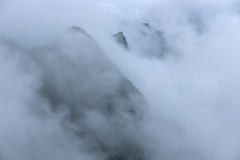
<point x="119" y="80"/>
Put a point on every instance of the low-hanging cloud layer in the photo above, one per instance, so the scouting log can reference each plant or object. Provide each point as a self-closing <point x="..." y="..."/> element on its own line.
<point x="77" y="93"/>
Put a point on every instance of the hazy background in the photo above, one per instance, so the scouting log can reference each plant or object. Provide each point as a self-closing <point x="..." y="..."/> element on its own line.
<point x="193" y="93"/>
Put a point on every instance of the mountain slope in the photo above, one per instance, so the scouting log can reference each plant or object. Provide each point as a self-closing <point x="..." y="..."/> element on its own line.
<point x="102" y="107"/>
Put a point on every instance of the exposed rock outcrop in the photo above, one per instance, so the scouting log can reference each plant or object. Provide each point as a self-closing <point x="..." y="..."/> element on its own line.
<point x="121" y="39"/>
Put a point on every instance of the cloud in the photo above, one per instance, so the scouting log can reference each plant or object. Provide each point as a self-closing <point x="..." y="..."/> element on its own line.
<point x="57" y="88"/>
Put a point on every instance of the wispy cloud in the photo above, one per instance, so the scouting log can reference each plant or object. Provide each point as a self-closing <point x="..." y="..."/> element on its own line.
<point x="74" y="95"/>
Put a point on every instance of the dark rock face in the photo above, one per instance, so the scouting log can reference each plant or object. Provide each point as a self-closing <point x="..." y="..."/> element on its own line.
<point x="144" y="40"/>
<point x="102" y="107"/>
<point x="146" y="24"/>
<point x="121" y="39"/>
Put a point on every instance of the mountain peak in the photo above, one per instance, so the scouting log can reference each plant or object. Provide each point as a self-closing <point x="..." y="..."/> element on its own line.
<point x="121" y="39"/>
<point x="77" y="29"/>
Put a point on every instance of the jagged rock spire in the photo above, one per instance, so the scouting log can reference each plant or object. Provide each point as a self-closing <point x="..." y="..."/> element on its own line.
<point x="121" y="39"/>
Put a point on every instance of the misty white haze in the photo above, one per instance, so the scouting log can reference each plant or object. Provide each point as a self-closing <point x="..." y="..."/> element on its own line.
<point x="71" y="90"/>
